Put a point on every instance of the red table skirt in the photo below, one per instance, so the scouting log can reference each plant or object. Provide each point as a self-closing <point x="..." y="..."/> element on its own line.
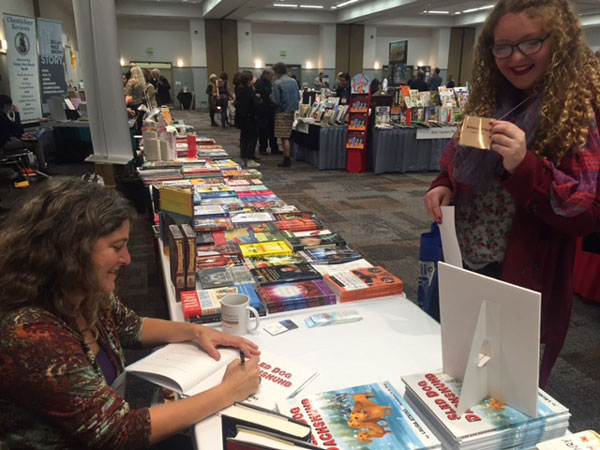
<point x="586" y="274"/>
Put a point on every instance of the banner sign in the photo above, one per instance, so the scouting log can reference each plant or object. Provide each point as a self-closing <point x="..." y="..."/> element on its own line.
<point x="52" y="68"/>
<point x="436" y="133"/>
<point x="23" y="72"/>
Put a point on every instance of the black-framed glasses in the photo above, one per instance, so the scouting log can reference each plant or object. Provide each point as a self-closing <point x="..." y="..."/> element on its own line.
<point x="528" y="47"/>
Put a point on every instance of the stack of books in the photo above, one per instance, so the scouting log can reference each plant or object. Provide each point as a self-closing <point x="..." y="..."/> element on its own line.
<point x="490" y="424"/>
<point x="289" y="296"/>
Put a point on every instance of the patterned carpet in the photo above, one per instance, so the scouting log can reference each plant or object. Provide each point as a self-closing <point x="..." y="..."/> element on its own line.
<point x="381" y="216"/>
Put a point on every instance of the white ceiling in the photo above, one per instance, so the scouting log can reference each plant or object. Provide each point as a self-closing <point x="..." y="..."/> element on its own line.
<point x="370" y="12"/>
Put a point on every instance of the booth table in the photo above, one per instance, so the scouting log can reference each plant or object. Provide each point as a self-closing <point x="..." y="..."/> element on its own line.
<point x="399" y="150"/>
<point x="393" y="339"/>
<point x="322" y="147"/>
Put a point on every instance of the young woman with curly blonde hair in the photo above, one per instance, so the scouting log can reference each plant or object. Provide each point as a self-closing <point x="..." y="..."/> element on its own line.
<point x="520" y="206"/>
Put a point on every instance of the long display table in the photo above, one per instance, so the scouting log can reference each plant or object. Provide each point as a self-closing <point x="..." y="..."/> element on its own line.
<point x="322" y="147"/>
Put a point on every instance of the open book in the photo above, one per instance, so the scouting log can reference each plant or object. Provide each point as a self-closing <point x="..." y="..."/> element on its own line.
<point x="188" y="370"/>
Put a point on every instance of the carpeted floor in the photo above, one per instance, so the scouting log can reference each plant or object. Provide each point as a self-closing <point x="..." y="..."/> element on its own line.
<point x="382" y="216"/>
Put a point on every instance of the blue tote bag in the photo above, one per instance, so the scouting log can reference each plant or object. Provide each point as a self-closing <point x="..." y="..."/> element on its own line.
<point x="430" y="254"/>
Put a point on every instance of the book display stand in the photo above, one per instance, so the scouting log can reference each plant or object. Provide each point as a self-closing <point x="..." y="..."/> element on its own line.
<point x="490" y="338"/>
<point x="358" y="123"/>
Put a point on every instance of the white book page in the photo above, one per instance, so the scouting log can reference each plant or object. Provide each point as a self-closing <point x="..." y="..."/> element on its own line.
<point x="280" y="378"/>
<point x="450" y="245"/>
<point x="180" y="366"/>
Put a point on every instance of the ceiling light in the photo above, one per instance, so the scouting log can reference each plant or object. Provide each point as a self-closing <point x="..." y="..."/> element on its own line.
<point x="285" y="5"/>
<point x="122" y="62"/>
<point x="376" y="65"/>
<point x="438" y="12"/>
<point x="346" y="3"/>
<point x="180" y="63"/>
<point x="477" y="9"/>
<point x="312" y="6"/>
<point x="457" y="13"/>
<point x="258" y="64"/>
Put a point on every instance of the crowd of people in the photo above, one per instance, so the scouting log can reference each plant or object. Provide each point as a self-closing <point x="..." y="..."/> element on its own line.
<point x="264" y="110"/>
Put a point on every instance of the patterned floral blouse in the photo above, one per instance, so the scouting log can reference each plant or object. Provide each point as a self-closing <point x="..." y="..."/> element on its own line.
<point x="53" y="394"/>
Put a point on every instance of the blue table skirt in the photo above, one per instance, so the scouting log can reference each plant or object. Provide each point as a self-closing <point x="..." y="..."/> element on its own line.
<point x="398" y="150"/>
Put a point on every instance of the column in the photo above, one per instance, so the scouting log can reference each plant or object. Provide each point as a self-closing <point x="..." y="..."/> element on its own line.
<point x="96" y="25"/>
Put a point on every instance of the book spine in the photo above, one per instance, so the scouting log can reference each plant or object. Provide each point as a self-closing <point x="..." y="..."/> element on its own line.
<point x="190" y="256"/>
<point x="177" y="258"/>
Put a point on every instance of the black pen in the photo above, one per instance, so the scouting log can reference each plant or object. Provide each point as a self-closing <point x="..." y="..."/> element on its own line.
<point x="242" y="357"/>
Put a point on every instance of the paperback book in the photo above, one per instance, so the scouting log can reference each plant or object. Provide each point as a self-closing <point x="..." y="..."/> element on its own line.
<point x="300" y="294"/>
<point x="330" y="255"/>
<point x="209" y="262"/>
<point x="301" y="240"/>
<point x="204" y="306"/>
<point x="285" y="273"/>
<point x="277" y="260"/>
<point x="186" y="369"/>
<point x="223" y="276"/>
<point x="251" y="234"/>
<point x="265" y="249"/>
<point x="361" y="284"/>
<point x="372" y="416"/>
<point x="489" y="423"/>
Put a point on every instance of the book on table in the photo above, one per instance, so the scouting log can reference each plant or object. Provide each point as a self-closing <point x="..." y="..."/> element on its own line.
<point x="223" y="276"/>
<point x="188" y="370"/>
<point x="266" y="248"/>
<point x="276" y="260"/>
<point x="489" y="424"/>
<point x="330" y="255"/>
<point x="301" y="240"/>
<point x="204" y="306"/>
<point x="583" y="440"/>
<point x="252" y="438"/>
<point x="249" y="415"/>
<point x="373" y="416"/>
<point x="297" y="295"/>
<point x="285" y="273"/>
<point x="361" y="284"/>
<point x="250" y="234"/>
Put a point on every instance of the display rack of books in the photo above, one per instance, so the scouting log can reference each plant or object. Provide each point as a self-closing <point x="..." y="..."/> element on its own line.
<point x="358" y="124"/>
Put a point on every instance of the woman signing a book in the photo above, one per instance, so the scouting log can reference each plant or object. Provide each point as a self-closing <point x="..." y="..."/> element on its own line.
<point x="520" y="205"/>
<point x="62" y="329"/>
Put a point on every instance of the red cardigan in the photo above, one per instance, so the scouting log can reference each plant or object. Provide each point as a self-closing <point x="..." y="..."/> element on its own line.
<point x="541" y="246"/>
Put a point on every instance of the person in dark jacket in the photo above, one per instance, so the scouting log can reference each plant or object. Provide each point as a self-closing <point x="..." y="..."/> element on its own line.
<point x="224" y="94"/>
<point x="343" y="88"/>
<point x="247" y="122"/>
<point x="435" y="81"/>
<point x="163" y="94"/>
<point x="266" y="113"/>
<point x="211" y="92"/>
<point x="13" y="136"/>
<point x="419" y="82"/>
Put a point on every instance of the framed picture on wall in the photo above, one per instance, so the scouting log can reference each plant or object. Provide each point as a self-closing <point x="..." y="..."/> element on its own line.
<point x="398" y="52"/>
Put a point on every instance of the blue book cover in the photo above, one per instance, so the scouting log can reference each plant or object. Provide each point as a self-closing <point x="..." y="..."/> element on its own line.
<point x="372" y="416"/>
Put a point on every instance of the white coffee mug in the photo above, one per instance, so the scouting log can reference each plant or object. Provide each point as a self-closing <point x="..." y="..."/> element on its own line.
<point x="235" y="314"/>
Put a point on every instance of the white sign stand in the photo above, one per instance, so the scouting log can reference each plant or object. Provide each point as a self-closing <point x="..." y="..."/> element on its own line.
<point x="490" y="338"/>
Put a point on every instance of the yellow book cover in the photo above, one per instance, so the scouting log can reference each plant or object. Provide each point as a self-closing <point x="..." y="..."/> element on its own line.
<point x="266" y="248"/>
<point x="180" y="201"/>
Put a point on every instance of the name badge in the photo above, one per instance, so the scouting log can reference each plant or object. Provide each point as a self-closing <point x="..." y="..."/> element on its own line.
<point x="475" y="132"/>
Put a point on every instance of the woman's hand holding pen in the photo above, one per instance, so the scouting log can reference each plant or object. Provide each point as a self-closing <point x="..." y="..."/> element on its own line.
<point x="242" y="378"/>
<point x="508" y="140"/>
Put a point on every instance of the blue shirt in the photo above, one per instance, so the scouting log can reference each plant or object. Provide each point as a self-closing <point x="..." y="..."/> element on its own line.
<point x="285" y="95"/>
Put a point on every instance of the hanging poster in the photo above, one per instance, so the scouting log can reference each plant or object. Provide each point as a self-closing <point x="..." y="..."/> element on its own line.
<point x="23" y="72"/>
<point x="52" y="69"/>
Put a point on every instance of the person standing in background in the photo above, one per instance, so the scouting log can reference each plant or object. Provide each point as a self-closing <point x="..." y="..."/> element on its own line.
<point x="246" y="121"/>
<point x="336" y="83"/>
<point x="320" y="82"/>
<point x="223" y="96"/>
<point x="150" y="89"/>
<point x="450" y="82"/>
<point x="163" y="88"/>
<point x="520" y="205"/>
<point x="343" y="88"/>
<point x="211" y="92"/>
<point x="266" y="113"/>
<point x="286" y="98"/>
<point x="435" y="81"/>
<point x="135" y="94"/>
<point x="419" y="82"/>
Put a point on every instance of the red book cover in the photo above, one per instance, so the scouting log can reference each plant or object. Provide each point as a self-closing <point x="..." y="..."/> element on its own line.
<point x="361" y="284"/>
<point x="304" y="224"/>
